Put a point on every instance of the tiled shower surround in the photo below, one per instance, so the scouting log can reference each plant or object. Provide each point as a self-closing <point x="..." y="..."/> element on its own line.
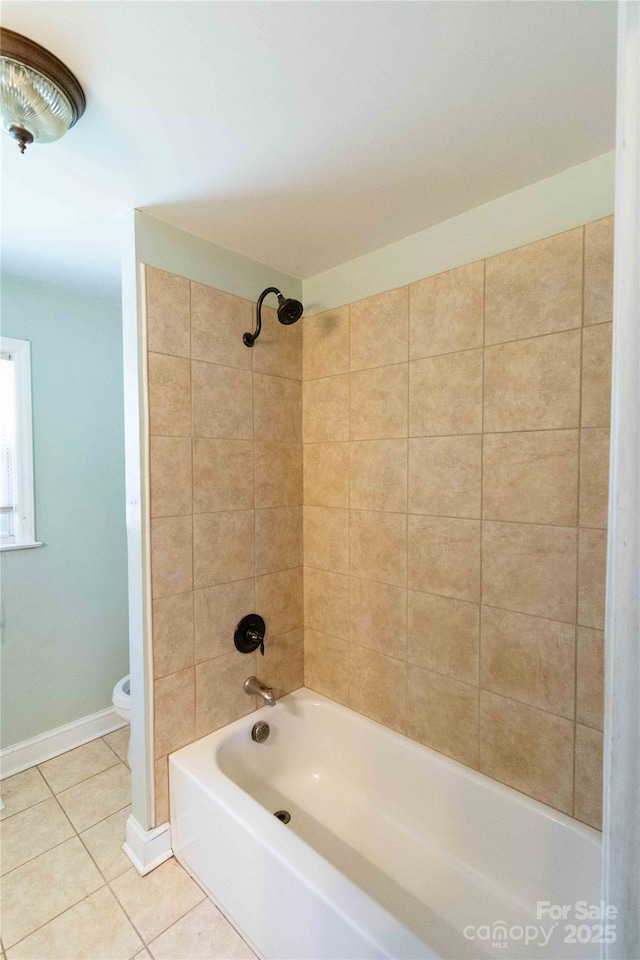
<point x="226" y="507"/>
<point x="455" y="436"/>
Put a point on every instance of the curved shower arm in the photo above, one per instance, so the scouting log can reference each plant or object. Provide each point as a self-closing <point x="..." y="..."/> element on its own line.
<point x="250" y="338"/>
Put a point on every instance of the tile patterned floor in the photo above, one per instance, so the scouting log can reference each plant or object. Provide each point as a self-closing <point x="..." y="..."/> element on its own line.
<point x="69" y="892"/>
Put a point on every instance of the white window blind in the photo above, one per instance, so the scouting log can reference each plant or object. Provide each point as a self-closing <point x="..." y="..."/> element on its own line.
<point x="17" y="518"/>
<point x="8" y="451"/>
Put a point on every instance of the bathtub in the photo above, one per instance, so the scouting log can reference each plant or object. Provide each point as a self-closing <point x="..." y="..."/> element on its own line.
<point x="392" y="850"/>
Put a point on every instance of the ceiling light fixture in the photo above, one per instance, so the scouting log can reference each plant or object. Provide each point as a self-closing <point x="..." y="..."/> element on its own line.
<point x="40" y="99"/>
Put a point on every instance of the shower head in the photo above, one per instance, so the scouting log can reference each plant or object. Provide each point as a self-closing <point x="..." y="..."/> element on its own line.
<point x="288" y="312"/>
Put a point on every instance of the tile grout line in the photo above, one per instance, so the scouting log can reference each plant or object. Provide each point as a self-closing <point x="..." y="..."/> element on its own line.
<point x="577" y="614"/>
<point x="484" y="338"/>
<point x="406" y="559"/>
<point x="349" y="647"/>
<point x="193" y="576"/>
<point x="84" y="779"/>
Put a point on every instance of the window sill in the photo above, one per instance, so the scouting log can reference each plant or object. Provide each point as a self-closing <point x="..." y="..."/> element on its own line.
<point x="20" y="546"/>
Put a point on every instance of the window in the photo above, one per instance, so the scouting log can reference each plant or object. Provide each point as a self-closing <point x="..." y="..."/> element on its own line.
<point x="17" y="518"/>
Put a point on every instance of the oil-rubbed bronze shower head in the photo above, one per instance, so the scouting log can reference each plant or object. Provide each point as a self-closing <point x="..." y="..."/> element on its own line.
<point x="288" y="312"/>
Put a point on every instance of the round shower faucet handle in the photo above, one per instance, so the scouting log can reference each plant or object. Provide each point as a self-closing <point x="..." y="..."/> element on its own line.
<point x="250" y="633"/>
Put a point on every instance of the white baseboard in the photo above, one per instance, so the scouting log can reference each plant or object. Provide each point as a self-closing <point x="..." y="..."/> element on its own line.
<point x="27" y="754"/>
<point x="147" y="849"/>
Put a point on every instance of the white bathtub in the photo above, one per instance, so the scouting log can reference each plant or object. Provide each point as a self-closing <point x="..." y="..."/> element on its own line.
<point x="392" y="849"/>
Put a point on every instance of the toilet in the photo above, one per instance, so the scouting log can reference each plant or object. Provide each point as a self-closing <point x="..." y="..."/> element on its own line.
<point x="122" y="705"/>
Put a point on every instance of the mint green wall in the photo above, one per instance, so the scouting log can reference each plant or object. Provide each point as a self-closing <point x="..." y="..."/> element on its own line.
<point x="64" y="605"/>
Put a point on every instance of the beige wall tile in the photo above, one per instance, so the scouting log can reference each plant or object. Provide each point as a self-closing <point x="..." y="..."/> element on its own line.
<point x="444" y="635"/>
<point x="378" y="686"/>
<point x="588" y="795"/>
<point x="445" y="476"/>
<point x="446" y="311"/>
<point x="378" y="617"/>
<point x="527" y="749"/>
<point x="170" y="476"/>
<point x="592" y="571"/>
<point x="223" y="547"/>
<point x="596" y="375"/>
<point x="326" y="602"/>
<point x="443" y="714"/>
<point x="594" y="477"/>
<point x="325" y="409"/>
<point x="104" y="840"/>
<point x="161" y="788"/>
<point x="278" y="350"/>
<point x="23" y="790"/>
<point x="277" y="409"/>
<point x="444" y="557"/>
<point x="222" y="405"/>
<point x="218" y="321"/>
<point x="173" y="644"/>
<point x="598" y="271"/>
<point x="222" y="475"/>
<point x="379" y="402"/>
<point x="380" y="329"/>
<point x="95" y="927"/>
<point x="218" y="611"/>
<point x="32" y="832"/>
<point x="533" y="384"/>
<point x="326" y="474"/>
<point x="590" y="678"/>
<point x="326" y="538"/>
<point x="530" y="569"/>
<point x="171" y="556"/>
<point x="326" y="665"/>
<point x="158" y="899"/>
<point x="49" y="885"/>
<point x="220" y="696"/>
<point x="535" y="289"/>
<point x="278" y="473"/>
<point x="169" y="396"/>
<point x="531" y="477"/>
<point x="378" y="546"/>
<point x="282" y="666"/>
<point x="378" y="475"/>
<point x="278" y="539"/>
<point x="168" y="322"/>
<point x="76" y="765"/>
<point x="325" y="343"/>
<point x="445" y="394"/>
<point x="174" y="712"/>
<point x="280" y="600"/>
<point x="529" y="659"/>
<point x="96" y="799"/>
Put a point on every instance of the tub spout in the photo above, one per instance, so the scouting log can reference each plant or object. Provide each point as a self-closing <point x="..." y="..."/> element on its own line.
<point x="254" y="688"/>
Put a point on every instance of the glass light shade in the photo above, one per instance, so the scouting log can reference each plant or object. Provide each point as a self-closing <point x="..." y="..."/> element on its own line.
<point x="30" y="101"/>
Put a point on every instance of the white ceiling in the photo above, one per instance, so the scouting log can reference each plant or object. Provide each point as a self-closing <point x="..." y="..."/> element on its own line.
<point x="301" y="134"/>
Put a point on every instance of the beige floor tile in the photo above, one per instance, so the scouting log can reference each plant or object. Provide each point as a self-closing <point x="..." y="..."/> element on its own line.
<point x="21" y="791"/>
<point x="143" y="955"/>
<point x="32" y="832"/>
<point x="204" y="934"/>
<point x="80" y="764"/>
<point x="43" y="888"/>
<point x="96" y="799"/>
<point x="95" y="929"/>
<point x="156" y="901"/>
<point x="119" y="742"/>
<point x="104" y="843"/>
